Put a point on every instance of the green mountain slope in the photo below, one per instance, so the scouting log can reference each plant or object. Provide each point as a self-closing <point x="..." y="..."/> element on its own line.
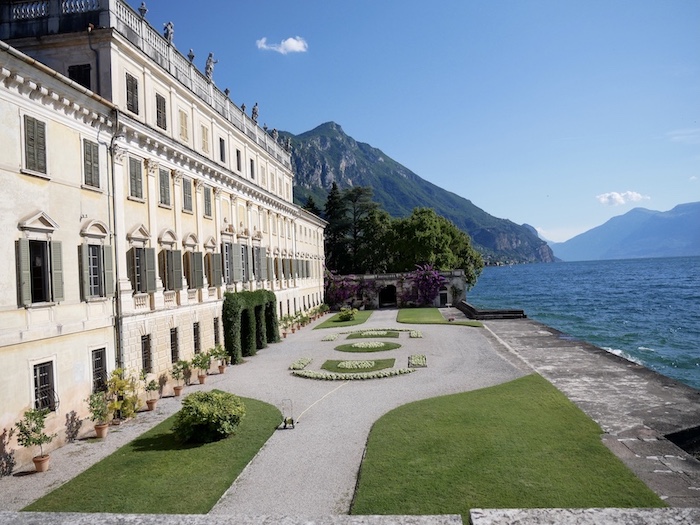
<point x="326" y="154"/>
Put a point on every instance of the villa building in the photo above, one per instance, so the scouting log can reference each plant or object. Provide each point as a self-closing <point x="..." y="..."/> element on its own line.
<point x="135" y="194"/>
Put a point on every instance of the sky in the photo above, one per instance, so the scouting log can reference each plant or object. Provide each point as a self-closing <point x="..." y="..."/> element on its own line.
<point x="556" y="113"/>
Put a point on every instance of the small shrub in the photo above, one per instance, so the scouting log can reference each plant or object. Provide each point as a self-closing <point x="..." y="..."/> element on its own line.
<point x="208" y="416"/>
<point x="347" y="314"/>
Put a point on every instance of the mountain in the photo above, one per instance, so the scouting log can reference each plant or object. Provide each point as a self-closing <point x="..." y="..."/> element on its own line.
<point x="639" y="233"/>
<point x="326" y="154"/>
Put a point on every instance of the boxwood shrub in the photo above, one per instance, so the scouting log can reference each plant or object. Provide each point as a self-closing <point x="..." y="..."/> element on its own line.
<point x="208" y="416"/>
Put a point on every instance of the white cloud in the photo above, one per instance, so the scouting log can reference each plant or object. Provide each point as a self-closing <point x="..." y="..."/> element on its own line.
<point x="615" y="198"/>
<point x="289" y="45"/>
<point x="693" y="178"/>
<point x="685" y="136"/>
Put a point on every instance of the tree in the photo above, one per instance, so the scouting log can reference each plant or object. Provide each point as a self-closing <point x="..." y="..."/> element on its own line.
<point x="311" y="206"/>
<point x="376" y="252"/>
<point x="335" y="213"/>
<point x="359" y="205"/>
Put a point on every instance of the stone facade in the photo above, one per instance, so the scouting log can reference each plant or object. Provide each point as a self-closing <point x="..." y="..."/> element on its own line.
<point x="136" y="195"/>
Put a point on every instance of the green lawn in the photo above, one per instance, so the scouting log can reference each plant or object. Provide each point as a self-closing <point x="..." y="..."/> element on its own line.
<point x="360" y="317"/>
<point x="379" y="364"/>
<point x="521" y="444"/>
<point x="156" y="474"/>
<point x="349" y="348"/>
<point x="429" y="316"/>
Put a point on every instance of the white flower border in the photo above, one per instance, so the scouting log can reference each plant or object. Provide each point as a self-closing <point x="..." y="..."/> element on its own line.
<point x="416" y="334"/>
<point x="334" y="376"/>
<point x="300" y="363"/>
<point x="330" y="337"/>
<point x="368" y="344"/>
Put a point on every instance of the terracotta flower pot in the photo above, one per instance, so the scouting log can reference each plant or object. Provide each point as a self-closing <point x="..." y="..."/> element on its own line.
<point x="202" y="378"/>
<point x="178" y="390"/>
<point x="101" y="430"/>
<point x="41" y="463"/>
<point x="284" y="334"/>
<point x="222" y="369"/>
<point x="151" y="404"/>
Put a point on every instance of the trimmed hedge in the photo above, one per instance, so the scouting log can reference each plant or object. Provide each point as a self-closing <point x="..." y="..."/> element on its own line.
<point x="208" y="416"/>
<point x="250" y="322"/>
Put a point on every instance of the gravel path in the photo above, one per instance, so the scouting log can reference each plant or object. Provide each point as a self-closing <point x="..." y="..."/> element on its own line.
<point x="312" y="469"/>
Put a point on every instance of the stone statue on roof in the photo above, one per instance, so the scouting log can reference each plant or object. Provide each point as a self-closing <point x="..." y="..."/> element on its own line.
<point x="209" y="67"/>
<point x="254" y="113"/>
<point x="169" y="32"/>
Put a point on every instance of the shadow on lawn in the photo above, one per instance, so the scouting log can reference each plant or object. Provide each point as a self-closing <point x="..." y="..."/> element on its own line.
<point x="161" y="442"/>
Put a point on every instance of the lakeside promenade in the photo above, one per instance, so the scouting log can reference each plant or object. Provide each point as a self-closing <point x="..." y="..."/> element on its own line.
<point x="634" y="406"/>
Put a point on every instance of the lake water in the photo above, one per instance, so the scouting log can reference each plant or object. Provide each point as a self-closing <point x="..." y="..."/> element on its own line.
<point x="646" y="310"/>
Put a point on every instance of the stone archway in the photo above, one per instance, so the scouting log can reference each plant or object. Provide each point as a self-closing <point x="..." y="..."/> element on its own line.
<point x="387" y="296"/>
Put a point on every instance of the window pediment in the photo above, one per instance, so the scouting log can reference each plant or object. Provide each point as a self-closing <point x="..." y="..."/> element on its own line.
<point x="139" y="234"/>
<point x="95" y="230"/>
<point x="167" y="238"/>
<point x="190" y="241"/>
<point x="38" y="222"/>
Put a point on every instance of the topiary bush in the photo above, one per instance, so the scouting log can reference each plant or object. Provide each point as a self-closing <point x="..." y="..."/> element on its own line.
<point x="208" y="416"/>
<point x="347" y="314"/>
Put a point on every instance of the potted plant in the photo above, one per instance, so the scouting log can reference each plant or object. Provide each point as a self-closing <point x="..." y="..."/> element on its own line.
<point x="30" y="432"/>
<point x="100" y="414"/>
<point x="202" y="362"/>
<point x="151" y="388"/>
<point x="122" y="393"/>
<point x="178" y="372"/>
<point x="219" y="352"/>
<point x="286" y="323"/>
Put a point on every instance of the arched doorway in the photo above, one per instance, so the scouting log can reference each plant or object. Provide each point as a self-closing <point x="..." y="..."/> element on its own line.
<point x="387" y="296"/>
<point x="443" y="296"/>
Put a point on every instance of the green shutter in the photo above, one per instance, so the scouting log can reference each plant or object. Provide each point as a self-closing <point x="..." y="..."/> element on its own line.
<point x="34" y="144"/>
<point x="91" y="160"/>
<point x="24" y="273"/>
<point x="150" y="269"/>
<point x="215" y="259"/>
<point x="175" y="267"/>
<point x="56" y="271"/>
<point x="264" y="263"/>
<point x="109" y="270"/>
<point x="130" y="266"/>
<point x="237" y="262"/>
<point x="135" y="178"/>
<point x="198" y="269"/>
<point x="84" y="255"/>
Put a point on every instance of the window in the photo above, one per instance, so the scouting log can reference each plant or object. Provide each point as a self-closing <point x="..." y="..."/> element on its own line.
<point x="272" y="183"/>
<point x="213" y="268"/>
<point x="207" y="201"/>
<point x="44" y="392"/>
<point x="91" y="163"/>
<point x="135" y="178"/>
<point x="99" y="370"/>
<point x="205" y="139"/>
<point x="141" y="268"/>
<point x="34" y="144"/>
<point x="97" y="271"/>
<point x="146" y="354"/>
<point x="80" y="73"/>
<point x="197" y="338"/>
<point x="252" y="169"/>
<point x="171" y="269"/>
<point x="222" y="150"/>
<point x="40" y="265"/>
<point x="161" y="114"/>
<point x="164" y="185"/>
<point x="217" y="336"/>
<point x="132" y="94"/>
<point x="238" y="160"/>
<point x="194" y="269"/>
<point x="186" y="194"/>
<point x="227" y="262"/>
<point x="183" y="126"/>
<point x="174" y="346"/>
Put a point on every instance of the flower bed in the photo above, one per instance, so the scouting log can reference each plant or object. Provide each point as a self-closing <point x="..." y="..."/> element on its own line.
<point x="330" y="337"/>
<point x="373" y="333"/>
<point x="367" y="346"/>
<point x="417" y="361"/>
<point x="300" y="363"/>
<point x="333" y="376"/>
<point x="416" y="334"/>
<point x="356" y="364"/>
